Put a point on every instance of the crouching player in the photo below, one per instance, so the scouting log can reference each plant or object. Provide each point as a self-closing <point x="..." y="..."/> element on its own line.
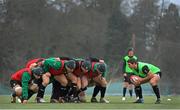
<point x="31" y="64"/>
<point x="57" y="70"/>
<point x="22" y="83"/>
<point x="74" y="83"/>
<point x="147" y="73"/>
<point x="97" y="74"/>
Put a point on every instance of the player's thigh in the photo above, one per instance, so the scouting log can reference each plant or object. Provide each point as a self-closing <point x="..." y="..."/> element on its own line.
<point x="84" y="81"/>
<point x="154" y="81"/>
<point x="61" y="79"/>
<point x="72" y="78"/>
<point x="101" y="81"/>
<point x="78" y="83"/>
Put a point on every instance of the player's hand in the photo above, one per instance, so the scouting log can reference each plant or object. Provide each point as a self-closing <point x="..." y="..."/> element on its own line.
<point x="47" y="74"/>
<point x="150" y="75"/>
<point x="24" y="101"/>
<point x="135" y="80"/>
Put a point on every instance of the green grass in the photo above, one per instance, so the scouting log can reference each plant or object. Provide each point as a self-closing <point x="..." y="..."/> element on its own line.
<point x="115" y="103"/>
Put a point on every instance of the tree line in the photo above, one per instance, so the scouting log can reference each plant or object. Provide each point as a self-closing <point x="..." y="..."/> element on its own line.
<point x="91" y="28"/>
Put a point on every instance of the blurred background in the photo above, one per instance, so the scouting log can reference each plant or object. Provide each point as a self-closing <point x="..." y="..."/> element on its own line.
<point x="92" y="28"/>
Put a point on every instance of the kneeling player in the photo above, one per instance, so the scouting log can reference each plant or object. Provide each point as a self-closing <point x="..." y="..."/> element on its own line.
<point x="22" y="83"/>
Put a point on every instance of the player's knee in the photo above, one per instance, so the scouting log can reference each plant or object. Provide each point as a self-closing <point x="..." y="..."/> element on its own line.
<point x="153" y="82"/>
<point x="78" y="86"/>
<point x="104" y="84"/>
<point x="18" y="90"/>
<point x="34" y="87"/>
<point x="64" y="83"/>
<point x="84" y="85"/>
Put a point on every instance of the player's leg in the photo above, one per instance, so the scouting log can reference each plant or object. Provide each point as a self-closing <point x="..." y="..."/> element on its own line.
<point x="154" y="83"/>
<point x="17" y="90"/>
<point x="33" y="88"/>
<point x="130" y="85"/>
<point x="42" y="86"/>
<point x="138" y="90"/>
<point x="56" y="92"/>
<point x="78" y="86"/>
<point x="73" y="87"/>
<point x="125" y="86"/>
<point x="101" y="81"/>
<point x="63" y="86"/>
<point x="84" y="84"/>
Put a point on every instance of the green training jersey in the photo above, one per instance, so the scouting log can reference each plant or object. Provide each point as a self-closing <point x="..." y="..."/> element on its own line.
<point x="51" y="63"/>
<point x="144" y="68"/>
<point x="26" y="77"/>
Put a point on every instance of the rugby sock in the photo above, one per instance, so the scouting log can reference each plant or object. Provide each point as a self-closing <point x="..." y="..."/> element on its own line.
<point x="156" y="91"/>
<point x="63" y="91"/>
<point x="72" y="90"/>
<point x="124" y="91"/>
<point x="137" y="95"/>
<point x="41" y="91"/>
<point x="30" y="93"/>
<point x="138" y="90"/>
<point x="55" y="90"/>
<point x="103" y="91"/>
<point x="82" y="89"/>
<point x="96" y="91"/>
<point x="130" y="92"/>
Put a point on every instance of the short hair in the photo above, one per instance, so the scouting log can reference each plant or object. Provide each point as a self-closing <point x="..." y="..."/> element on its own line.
<point x="130" y="49"/>
<point x="132" y="60"/>
<point x="101" y="67"/>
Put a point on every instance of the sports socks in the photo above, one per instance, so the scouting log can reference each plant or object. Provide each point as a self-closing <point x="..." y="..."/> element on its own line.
<point x="138" y="90"/>
<point x="96" y="91"/>
<point x="124" y="91"/>
<point x="156" y="91"/>
<point x="41" y="91"/>
<point x="103" y="91"/>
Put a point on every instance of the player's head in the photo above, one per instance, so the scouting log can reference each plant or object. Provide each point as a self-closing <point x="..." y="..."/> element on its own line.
<point x="130" y="52"/>
<point x="37" y="71"/>
<point x="132" y="63"/>
<point x="70" y="65"/>
<point x="86" y="66"/>
<point x="101" y="67"/>
<point x="39" y="62"/>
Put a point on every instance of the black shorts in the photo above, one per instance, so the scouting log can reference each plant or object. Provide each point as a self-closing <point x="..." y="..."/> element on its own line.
<point x="13" y="83"/>
<point x="127" y="78"/>
<point x="37" y="81"/>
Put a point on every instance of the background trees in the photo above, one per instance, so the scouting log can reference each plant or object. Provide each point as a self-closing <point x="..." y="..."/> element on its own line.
<point x="96" y="28"/>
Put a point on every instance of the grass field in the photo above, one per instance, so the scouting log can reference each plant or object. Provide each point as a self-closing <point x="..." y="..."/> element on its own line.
<point x="115" y="103"/>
